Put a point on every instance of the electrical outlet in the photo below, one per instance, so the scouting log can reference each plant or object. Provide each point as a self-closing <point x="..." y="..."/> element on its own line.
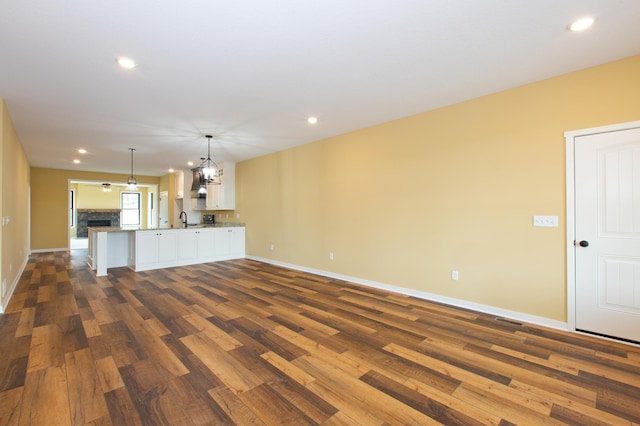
<point x="237" y="215"/>
<point x="331" y="256"/>
<point x="454" y="275"/>
<point x="272" y="247"/>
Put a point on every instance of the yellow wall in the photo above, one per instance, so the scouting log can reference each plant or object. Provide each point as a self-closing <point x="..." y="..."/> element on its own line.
<point x="14" y="180"/>
<point x="93" y="197"/>
<point x="168" y="183"/>
<point x="406" y="202"/>
<point x="49" y="202"/>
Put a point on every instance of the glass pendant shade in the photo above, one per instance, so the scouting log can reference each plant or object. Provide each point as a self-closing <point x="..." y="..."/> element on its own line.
<point x="132" y="183"/>
<point x="209" y="171"/>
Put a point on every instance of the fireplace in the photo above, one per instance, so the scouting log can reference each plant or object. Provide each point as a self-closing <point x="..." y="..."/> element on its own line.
<point x="96" y="217"/>
<point x="98" y="222"/>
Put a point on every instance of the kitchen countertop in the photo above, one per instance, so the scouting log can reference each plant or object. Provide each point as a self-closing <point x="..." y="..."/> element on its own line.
<point x="194" y="226"/>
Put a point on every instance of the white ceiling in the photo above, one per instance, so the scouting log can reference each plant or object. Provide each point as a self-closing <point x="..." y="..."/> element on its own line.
<point x="250" y="72"/>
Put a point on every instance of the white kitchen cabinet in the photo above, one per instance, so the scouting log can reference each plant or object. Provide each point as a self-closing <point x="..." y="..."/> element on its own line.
<point x="237" y="242"/>
<point x="196" y="244"/>
<point x="230" y="242"/>
<point x="167" y="246"/>
<point x="143" y="250"/>
<point x="206" y="243"/>
<point x="223" y="196"/>
<point x="156" y="248"/>
<point x="188" y="244"/>
<point x="179" y="184"/>
<point x="146" y="247"/>
<point x="222" y="237"/>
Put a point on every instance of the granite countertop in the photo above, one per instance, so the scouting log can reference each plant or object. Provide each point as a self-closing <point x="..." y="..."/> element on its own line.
<point x="216" y="225"/>
<point x="139" y="228"/>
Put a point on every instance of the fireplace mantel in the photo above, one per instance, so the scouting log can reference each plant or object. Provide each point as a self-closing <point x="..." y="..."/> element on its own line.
<point x="99" y="211"/>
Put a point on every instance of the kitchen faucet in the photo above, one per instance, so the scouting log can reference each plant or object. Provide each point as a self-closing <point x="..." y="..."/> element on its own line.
<point x="184" y="221"/>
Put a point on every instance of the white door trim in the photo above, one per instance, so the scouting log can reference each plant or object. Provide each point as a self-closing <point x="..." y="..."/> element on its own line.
<point x="570" y="137"/>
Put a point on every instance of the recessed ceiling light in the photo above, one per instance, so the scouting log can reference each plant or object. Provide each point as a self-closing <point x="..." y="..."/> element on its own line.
<point x="312" y="120"/>
<point x="581" y="24"/>
<point x="125" y="62"/>
<point x="76" y="161"/>
<point x="190" y="163"/>
<point x="82" y="151"/>
<point x="171" y="170"/>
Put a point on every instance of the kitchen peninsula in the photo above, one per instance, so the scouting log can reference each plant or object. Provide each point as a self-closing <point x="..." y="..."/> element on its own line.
<point x="145" y="249"/>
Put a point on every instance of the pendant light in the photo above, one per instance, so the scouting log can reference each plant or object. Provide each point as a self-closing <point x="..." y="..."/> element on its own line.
<point x="132" y="183"/>
<point x="209" y="172"/>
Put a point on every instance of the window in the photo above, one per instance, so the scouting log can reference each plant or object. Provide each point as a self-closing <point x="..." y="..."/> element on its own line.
<point x="72" y="203"/>
<point x="130" y="204"/>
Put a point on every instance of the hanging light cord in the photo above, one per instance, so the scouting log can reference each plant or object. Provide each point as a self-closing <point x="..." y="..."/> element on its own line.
<point x="132" y="180"/>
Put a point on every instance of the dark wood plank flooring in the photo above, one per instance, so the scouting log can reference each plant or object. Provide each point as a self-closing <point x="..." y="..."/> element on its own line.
<point x="242" y="342"/>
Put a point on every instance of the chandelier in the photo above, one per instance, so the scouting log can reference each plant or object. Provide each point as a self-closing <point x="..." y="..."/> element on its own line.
<point x="132" y="183"/>
<point x="209" y="172"/>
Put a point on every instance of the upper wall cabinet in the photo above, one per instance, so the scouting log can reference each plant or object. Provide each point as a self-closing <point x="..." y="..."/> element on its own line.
<point x="179" y="183"/>
<point x="223" y="196"/>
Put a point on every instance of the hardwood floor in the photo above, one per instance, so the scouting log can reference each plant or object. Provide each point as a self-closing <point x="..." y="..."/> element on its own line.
<point x="241" y="342"/>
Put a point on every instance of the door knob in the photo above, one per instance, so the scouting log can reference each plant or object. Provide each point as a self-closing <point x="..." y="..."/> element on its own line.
<point x="584" y="243"/>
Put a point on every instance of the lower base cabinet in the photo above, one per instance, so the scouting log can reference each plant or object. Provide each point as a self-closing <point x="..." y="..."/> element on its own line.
<point x="156" y="247"/>
<point x="178" y="247"/>
<point x="230" y="242"/>
<point x="194" y="244"/>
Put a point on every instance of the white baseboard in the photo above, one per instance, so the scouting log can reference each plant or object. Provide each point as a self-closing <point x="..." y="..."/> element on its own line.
<point x="491" y="310"/>
<point x="10" y="291"/>
<point x="50" y="249"/>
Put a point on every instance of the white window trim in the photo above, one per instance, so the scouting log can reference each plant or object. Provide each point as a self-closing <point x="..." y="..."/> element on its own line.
<point x="122" y="224"/>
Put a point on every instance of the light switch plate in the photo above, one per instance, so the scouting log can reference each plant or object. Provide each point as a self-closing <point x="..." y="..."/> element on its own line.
<point x="545" y="221"/>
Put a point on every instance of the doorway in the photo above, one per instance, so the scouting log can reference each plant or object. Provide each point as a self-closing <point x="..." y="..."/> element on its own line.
<point x="100" y="196"/>
<point x="603" y="231"/>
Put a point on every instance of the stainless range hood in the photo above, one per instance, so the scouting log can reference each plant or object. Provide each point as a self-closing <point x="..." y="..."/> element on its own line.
<point x="198" y="181"/>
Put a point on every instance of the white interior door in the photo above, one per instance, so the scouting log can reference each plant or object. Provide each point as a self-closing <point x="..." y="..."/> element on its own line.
<point x="164" y="209"/>
<point x="607" y="233"/>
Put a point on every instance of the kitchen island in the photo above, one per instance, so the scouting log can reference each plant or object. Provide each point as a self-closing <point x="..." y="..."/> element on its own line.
<point x="153" y="248"/>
